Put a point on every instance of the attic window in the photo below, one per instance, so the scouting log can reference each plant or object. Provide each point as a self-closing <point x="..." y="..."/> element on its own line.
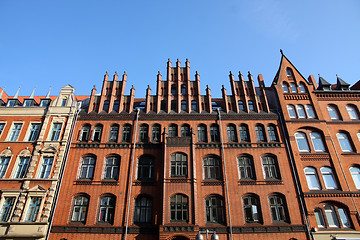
<point x="63" y="102"/>
<point x="289" y="72"/>
<point x="11" y="103"/>
<point x="44" y="102"/>
<point x="142" y="105"/>
<point x="27" y="103"/>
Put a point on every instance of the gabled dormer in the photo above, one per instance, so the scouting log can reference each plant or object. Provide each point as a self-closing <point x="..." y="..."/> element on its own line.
<point x="323" y="84"/>
<point x="341" y="84"/>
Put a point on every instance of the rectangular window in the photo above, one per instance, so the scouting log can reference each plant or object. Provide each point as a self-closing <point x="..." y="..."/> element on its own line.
<point x="11" y="103"/>
<point x="2" y="126"/>
<point x="4" y="162"/>
<point x="15" y="132"/>
<point x="44" y="102"/>
<point x="116" y="106"/>
<point x="22" y="167"/>
<point x="63" y="102"/>
<point x="55" y="132"/>
<point x="27" y="103"/>
<point x="7" y="209"/>
<point x="34" y="131"/>
<point x="33" y="210"/>
<point x="46" y="167"/>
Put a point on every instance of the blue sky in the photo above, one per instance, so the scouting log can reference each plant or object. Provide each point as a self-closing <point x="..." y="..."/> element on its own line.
<point x="53" y="43"/>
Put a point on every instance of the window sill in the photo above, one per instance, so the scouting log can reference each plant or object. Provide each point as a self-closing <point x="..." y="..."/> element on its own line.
<point x="350" y="153"/>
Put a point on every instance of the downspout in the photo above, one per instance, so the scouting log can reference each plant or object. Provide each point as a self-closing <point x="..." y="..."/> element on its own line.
<point x="226" y="183"/>
<point x="132" y="173"/>
<point x="58" y="186"/>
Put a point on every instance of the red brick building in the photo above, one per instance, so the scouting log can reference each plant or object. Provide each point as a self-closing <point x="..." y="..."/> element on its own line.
<point x="178" y="162"/>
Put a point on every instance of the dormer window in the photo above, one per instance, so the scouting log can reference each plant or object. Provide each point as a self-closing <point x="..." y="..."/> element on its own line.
<point x="44" y="102"/>
<point x="28" y="103"/>
<point x="11" y="103"/>
<point x="63" y="102"/>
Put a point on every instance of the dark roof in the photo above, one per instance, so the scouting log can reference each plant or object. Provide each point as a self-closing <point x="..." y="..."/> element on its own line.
<point x="323" y="83"/>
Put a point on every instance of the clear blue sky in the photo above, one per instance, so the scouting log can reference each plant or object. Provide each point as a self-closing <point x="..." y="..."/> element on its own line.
<point x="55" y="43"/>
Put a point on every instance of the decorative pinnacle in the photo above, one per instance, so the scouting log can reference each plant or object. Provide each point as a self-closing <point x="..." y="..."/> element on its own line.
<point x="124" y="72"/>
<point x="106" y="72"/>
<point x="281" y="51"/>
<point x="149" y="86"/>
<point x="196" y="72"/>
<point x="230" y="72"/>
<point x="240" y="73"/>
<point x="158" y="72"/>
<point x="177" y="60"/>
<point x="168" y="59"/>
<point x="94" y="86"/>
<point x="187" y="59"/>
<point x="115" y="72"/>
<point x="249" y="73"/>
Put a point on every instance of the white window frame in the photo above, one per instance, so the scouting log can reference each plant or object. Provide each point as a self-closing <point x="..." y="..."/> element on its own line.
<point x="11" y="128"/>
<point x="27" y="135"/>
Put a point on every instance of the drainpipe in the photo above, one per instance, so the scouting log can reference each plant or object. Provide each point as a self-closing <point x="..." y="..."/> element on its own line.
<point x="226" y="183"/>
<point x="58" y="186"/>
<point x="132" y="173"/>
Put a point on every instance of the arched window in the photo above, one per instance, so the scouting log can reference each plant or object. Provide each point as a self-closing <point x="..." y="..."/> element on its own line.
<point x="185" y="130"/>
<point x="112" y="165"/>
<point x="214" y="210"/>
<point x="193" y="105"/>
<point x="260" y="133"/>
<point x="106" y="209"/>
<point x="246" y="167"/>
<point x="270" y="166"/>
<point x="344" y="142"/>
<point x="212" y="168"/>
<point x="278" y="208"/>
<point x="96" y="137"/>
<point x="202" y="137"/>
<point x="355" y="173"/>
<point x="328" y="178"/>
<point x="87" y="167"/>
<point x="173" y="130"/>
<point x="162" y="105"/>
<point x="80" y="207"/>
<point x="145" y="168"/>
<point x="144" y="133"/>
<point x="183" y="89"/>
<point x="285" y="87"/>
<point x="352" y="111"/>
<point x="241" y="105"/>
<point x="179" y="208"/>
<point x="312" y="178"/>
<point x="244" y="133"/>
<point x="302" y="142"/>
<point x="289" y="72"/>
<point x="173" y="89"/>
<point x="178" y="165"/>
<point x="291" y="111"/>
<point x="214" y="133"/>
<point x="333" y="112"/>
<point x="173" y="105"/>
<point x="333" y="214"/>
<point x="84" y="133"/>
<point x="293" y="87"/>
<point x="251" y="105"/>
<point x="273" y="136"/>
<point x="317" y="142"/>
<point x="231" y="133"/>
<point x="319" y="218"/>
<point x="156" y="133"/>
<point x="126" y="133"/>
<point x="252" y="211"/>
<point x="302" y="88"/>
<point x="183" y="105"/>
<point x="310" y="111"/>
<point x="300" y="111"/>
<point x="114" y="132"/>
<point x="143" y="210"/>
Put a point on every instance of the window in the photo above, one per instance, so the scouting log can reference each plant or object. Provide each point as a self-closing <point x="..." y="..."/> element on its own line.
<point x="246" y="167"/>
<point x="317" y="142"/>
<point x="328" y="178"/>
<point x="260" y="133"/>
<point x="231" y="133"/>
<point x="112" y="168"/>
<point x="185" y="130"/>
<point x="4" y="162"/>
<point x="251" y="105"/>
<point x="270" y="167"/>
<point x="333" y="214"/>
<point x="278" y="208"/>
<point x="244" y="133"/>
<point x="183" y="105"/>
<point x="84" y="133"/>
<point x="214" y="133"/>
<point x="96" y="136"/>
<point x="289" y="72"/>
<point x="162" y="105"/>
<point x="272" y="133"/>
<point x="46" y="167"/>
<point x="173" y="105"/>
<point x="11" y="103"/>
<point x="285" y="87"/>
<point x="156" y="133"/>
<point x="7" y="209"/>
<point x="106" y="105"/>
<point x="178" y="165"/>
<point x="333" y="112"/>
<point x="143" y="210"/>
<point x="2" y="126"/>
<point x="183" y="89"/>
<point x="302" y="88"/>
<point x="291" y="111"/>
<point x="214" y="210"/>
<point x="126" y="133"/>
<point x="319" y="218"/>
<point x="63" y="102"/>
<point x="33" y="209"/>
<point x="173" y="89"/>
<point x="241" y="105"/>
<point x="179" y="208"/>
<point x="22" y="167"/>
<point x="173" y="130"/>
<point x="344" y="142"/>
<point x="116" y="105"/>
<point x="34" y="131"/>
<point x="352" y="112"/>
<point x="202" y="133"/>
<point x="212" y="168"/>
<point x="145" y="168"/>
<point x="114" y="132"/>
<point x="80" y="207"/>
<point x="355" y="173"/>
<point x="302" y="142"/>
<point x="144" y="133"/>
<point x="310" y="111"/>
<point x="15" y="132"/>
<point x="55" y="132"/>
<point x="87" y="167"/>
<point x="300" y="111"/>
<point x="27" y="103"/>
<point x="293" y="87"/>
<point x="44" y="102"/>
<point x="193" y="105"/>
<point x="251" y="209"/>
<point x="106" y="210"/>
<point x="312" y="178"/>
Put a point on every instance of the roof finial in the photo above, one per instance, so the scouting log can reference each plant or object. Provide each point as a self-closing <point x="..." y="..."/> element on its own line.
<point x="281" y="51"/>
<point x="17" y="92"/>
<point x="32" y="94"/>
<point x="48" y="94"/>
<point x="158" y="72"/>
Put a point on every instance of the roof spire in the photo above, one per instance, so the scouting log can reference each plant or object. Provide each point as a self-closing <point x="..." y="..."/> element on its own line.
<point x="281" y="51"/>
<point x="32" y="94"/>
<point x="17" y="92"/>
<point x="48" y="94"/>
<point x="1" y="94"/>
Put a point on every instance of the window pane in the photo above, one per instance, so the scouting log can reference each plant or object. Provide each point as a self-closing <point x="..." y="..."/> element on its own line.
<point x="4" y="162"/>
<point x="331" y="216"/>
<point x="293" y="87"/>
<point x="355" y="173"/>
<point x="285" y="88"/>
<point x="344" y="142"/>
<point x="291" y="111"/>
<point x="302" y="142"/>
<point x="310" y="111"/>
<point x="328" y="178"/>
<point x="311" y="178"/>
<point x="343" y="218"/>
<point x="300" y="111"/>
<point x="332" y="112"/>
<point x="317" y="142"/>
<point x="302" y="88"/>
<point x="352" y="112"/>
<point x="319" y="218"/>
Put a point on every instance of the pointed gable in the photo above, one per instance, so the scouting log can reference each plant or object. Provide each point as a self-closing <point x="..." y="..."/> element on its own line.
<point x="341" y="84"/>
<point x="323" y="84"/>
